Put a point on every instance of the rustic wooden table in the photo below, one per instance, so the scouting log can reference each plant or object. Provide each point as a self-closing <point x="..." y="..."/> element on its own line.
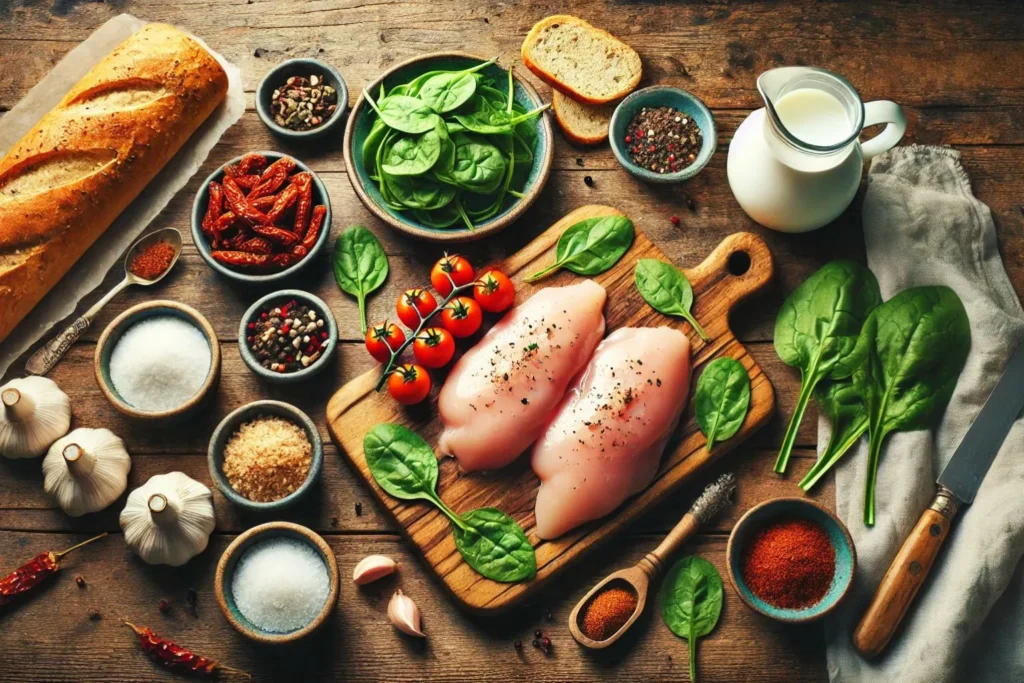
<point x="956" y="68"/>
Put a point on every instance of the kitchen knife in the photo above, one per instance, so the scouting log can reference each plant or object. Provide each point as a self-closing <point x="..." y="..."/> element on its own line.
<point x="957" y="486"/>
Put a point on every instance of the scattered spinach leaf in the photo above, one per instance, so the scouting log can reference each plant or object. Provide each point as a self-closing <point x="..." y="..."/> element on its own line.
<point x="360" y="265"/>
<point x="591" y="246"/>
<point x="908" y="357"/>
<point x="841" y="404"/>
<point x="722" y="399"/>
<point x="691" y="602"/>
<point x="495" y="546"/>
<point x="667" y="290"/>
<point x="817" y="328"/>
<point x="401" y="462"/>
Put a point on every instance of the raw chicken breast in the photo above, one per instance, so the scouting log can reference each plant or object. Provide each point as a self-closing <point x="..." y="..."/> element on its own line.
<point x="606" y="440"/>
<point x="500" y="395"/>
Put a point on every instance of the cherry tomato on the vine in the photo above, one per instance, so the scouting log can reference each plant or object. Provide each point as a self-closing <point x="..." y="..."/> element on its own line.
<point x="462" y="316"/>
<point x="494" y="292"/>
<point x="382" y="339"/>
<point x="457" y="267"/>
<point x="413" y="305"/>
<point x="434" y="347"/>
<point x="409" y="384"/>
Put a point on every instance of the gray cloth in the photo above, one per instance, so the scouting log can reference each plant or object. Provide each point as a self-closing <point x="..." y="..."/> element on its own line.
<point x="923" y="226"/>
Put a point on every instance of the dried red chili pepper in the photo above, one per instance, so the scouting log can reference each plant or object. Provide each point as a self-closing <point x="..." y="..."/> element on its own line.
<point x="34" y="572"/>
<point x="256" y="245"/>
<point x="177" y="659"/>
<point x="281" y="236"/>
<point x="226" y="222"/>
<point x="284" y="201"/>
<point x="316" y="223"/>
<point x="240" y="206"/>
<point x="241" y="259"/>
<point x="299" y="251"/>
<point x="304" y="182"/>
<point x="264" y="203"/>
<point x="285" y="260"/>
<point x="251" y="163"/>
<point x="247" y="182"/>
<point x="231" y="171"/>
<point x="213" y="211"/>
<point x="274" y="177"/>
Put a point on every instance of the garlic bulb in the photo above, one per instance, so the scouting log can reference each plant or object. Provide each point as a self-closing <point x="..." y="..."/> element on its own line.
<point x="169" y="519"/>
<point x="371" y="568"/>
<point x="34" y="413"/>
<point x="405" y="615"/>
<point x="86" y="470"/>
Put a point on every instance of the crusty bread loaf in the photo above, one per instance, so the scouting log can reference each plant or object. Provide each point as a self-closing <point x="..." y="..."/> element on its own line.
<point x="585" y="63"/>
<point x="583" y="124"/>
<point x="64" y="183"/>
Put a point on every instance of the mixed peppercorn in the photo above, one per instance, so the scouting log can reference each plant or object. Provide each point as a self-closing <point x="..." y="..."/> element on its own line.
<point x="287" y="337"/>
<point x="663" y="139"/>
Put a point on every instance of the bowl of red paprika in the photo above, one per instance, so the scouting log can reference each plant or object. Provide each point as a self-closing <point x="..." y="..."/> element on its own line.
<point x="791" y="560"/>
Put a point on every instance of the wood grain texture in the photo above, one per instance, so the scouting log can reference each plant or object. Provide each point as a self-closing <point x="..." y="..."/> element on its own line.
<point x="356" y="408"/>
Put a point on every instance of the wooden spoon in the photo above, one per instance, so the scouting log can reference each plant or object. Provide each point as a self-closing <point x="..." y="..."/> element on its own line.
<point x="639" y="577"/>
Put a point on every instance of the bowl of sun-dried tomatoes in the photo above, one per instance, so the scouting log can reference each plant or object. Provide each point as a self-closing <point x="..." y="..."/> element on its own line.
<point x="261" y="217"/>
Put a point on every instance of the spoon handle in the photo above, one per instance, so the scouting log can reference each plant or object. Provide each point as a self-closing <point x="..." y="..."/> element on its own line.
<point x="655" y="560"/>
<point x="47" y="356"/>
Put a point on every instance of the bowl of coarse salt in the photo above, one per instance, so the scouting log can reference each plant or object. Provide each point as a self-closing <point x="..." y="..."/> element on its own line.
<point x="277" y="582"/>
<point x="157" y="360"/>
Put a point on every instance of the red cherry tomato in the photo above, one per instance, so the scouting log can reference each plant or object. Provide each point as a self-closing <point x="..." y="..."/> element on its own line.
<point x="462" y="316"/>
<point x="456" y="267"/>
<point x="409" y="384"/>
<point x="434" y="347"/>
<point x="494" y="292"/>
<point x="413" y="305"/>
<point x="382" y="339"/>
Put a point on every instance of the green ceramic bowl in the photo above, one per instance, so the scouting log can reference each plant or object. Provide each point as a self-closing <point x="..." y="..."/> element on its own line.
<point x="278" y="298"/>
<point x="360" y="122"/>
<point x="277" y="76"/>
<point x="793" y="508"/>
<point x="226" y="571"/>
<point x="247" y="413"/>
<point x="663" y="96"/>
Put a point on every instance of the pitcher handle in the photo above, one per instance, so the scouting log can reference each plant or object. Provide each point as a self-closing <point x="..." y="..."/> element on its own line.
<point x="883" y="111"/>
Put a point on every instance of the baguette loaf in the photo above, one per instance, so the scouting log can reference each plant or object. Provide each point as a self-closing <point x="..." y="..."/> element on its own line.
<point x="585" y="63"/>
<point x="64" y="183"/>
<point x="583" y="124"/>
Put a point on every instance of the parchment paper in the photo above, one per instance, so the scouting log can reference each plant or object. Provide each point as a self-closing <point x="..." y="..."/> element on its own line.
<point x="90" y="270"/>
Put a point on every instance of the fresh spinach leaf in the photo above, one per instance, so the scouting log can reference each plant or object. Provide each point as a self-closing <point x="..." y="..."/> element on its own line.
<point x="908" y="357"/>
<point x="412" y="154"/>
<point x="479" y="166"/>
<point x="495" y="546"/>
<point x="722" y="399"/>
<point x="445" y="217"/>
<point x="817" y="328"/>
<point x="419" y="192"/>
<point x="842" y="405"/>
<point x="449" y="90"/>
<point x="372" y="143"/>
<point x="404" y="113"/>
<point x="401" y="462"/>
<point x="360" y="265"/>
<point x="591" y="246"/>
<point x="691" y="602"/>
<point x="667" y="290"/>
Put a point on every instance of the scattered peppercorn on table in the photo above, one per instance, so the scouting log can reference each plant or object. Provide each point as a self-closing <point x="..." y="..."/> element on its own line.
<point x="73" y="630"/>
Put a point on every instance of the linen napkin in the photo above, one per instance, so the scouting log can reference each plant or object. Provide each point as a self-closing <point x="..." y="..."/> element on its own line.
<point x="923" y="226"/>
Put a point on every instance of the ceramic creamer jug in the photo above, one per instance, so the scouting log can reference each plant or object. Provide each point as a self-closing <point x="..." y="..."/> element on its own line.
<point x="795" y="164"/>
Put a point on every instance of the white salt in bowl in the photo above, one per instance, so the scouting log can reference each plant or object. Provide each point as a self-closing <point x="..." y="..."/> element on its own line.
<point x="228" y="568"/>
<point x="116" y="330"/>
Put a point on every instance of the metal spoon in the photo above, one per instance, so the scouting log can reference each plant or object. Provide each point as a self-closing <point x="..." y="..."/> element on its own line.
<point x="43" y="360"/>
<point x="639" y="577"/>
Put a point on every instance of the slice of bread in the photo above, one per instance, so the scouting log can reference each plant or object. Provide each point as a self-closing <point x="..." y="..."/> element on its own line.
<point x="583" y="124"/>
<point x="585" y="63"/>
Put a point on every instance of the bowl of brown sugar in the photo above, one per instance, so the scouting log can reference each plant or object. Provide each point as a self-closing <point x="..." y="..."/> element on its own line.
<point x="265" y="455"/>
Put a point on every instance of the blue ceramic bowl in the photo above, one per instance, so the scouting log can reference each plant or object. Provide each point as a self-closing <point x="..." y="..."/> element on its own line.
<point x="280" y="297"/>
<point x="226" y="571"/>
<point x="199" y="210"/>
<point x="247" y="413"/>
<point x="792" y="508"/>
<point x="277" y="76"/>
<point x="663" y="96"/>
<point x="360" y="122"/>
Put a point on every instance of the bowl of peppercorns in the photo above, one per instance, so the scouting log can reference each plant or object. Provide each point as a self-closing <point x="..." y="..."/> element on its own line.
<point x="287" y="336"/>
<point x="302" y="99"/>
<point x="662" y="134"/>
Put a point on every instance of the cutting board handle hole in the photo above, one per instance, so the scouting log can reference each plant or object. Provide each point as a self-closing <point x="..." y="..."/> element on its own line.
<point x="739" y="263"/>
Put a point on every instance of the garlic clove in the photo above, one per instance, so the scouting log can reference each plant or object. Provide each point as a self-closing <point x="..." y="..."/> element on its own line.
<point x="372" y="568"/>
<point x="405" y="615"/>
<point x="34" y="413"/>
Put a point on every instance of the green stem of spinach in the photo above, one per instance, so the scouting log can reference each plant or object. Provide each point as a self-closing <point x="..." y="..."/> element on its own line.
<point x="540" y="274"/>
<point x="462" y="214"/>
<point x="833" y="452"/>
<point x="696" y="325"/>
<point x="806" y="389"/>
<point x="692" y="646"/>
<point x="449" y="513"/>
<point x="516" y="194"/>
<point x="874" y="453"/>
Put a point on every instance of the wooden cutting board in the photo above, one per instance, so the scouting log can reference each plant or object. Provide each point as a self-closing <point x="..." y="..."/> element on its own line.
<point x="740" y="266"/>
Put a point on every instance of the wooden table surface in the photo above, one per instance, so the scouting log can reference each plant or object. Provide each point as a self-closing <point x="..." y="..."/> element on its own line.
<point x="958" y="70"/>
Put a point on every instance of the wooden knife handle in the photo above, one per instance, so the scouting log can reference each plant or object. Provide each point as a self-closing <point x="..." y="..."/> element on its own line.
<point x="906" y="574"/>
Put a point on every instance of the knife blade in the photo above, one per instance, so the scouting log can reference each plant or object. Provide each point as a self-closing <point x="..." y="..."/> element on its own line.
<point x="957" y="485"/>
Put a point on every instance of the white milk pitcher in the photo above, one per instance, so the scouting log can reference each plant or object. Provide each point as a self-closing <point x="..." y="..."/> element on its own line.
<point x="795" y="165"/>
